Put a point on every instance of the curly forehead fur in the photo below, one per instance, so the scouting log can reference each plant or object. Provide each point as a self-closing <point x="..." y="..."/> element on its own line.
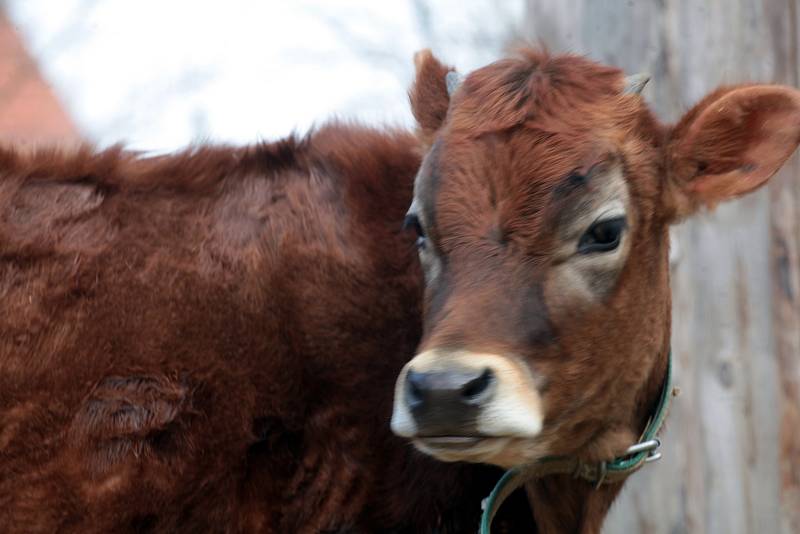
<point x="516" y="129"/>
<point x="533" y="89"/>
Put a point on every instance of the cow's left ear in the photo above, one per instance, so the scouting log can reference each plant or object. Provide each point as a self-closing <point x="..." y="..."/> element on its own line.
<point x="430" y="94"/>
<point x="730" y="144"/>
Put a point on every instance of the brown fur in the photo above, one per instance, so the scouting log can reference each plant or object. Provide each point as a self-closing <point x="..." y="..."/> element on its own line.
<point x="496" y="188"/>
<point x="429" y="95"/>
<point x="207" y="341"/>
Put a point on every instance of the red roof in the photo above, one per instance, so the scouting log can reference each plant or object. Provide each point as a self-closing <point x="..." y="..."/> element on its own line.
<point x="29" y="108"/>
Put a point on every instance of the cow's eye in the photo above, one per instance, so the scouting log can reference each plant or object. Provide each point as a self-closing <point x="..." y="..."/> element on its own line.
<point x="411" y="222"/>
<point x="602" y="236"/>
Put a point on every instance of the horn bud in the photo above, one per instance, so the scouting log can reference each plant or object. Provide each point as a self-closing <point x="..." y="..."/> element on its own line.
<point x="635" y="83"/>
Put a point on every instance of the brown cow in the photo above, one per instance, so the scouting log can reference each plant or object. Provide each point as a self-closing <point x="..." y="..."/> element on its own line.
<point x="207" y="342"/>
<point x="542" y="209"/>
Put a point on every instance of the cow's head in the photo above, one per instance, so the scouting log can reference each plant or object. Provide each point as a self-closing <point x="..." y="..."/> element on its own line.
<point x="542" y="210"/>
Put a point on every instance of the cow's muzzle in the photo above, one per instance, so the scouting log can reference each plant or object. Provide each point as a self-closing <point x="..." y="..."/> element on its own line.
<point x="458" y="400"/>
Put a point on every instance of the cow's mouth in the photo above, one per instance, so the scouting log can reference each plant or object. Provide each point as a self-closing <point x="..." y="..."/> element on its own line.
<point x="504" y="451"/>
<point x="463" y="448"/>
<point x="451" y="442"/>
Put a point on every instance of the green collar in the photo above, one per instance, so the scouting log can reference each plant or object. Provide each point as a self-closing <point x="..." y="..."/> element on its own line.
<point x="646" y="450"/>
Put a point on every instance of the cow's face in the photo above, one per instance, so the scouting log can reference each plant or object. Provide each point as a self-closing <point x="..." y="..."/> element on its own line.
<point x="542" y="212"/>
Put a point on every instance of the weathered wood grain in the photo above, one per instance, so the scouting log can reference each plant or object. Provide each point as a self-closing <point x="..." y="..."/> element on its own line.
<point x="785" y="221"/>
<point x="732" y="450"/>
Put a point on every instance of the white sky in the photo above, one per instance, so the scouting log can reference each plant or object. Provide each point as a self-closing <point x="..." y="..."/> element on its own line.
<point x="158" y="74"/>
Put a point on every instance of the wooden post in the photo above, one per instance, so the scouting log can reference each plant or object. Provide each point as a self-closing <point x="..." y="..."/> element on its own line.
<point x="785" y="226"/>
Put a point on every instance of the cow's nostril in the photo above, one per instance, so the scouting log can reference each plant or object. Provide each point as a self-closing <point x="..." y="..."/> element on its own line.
<point x="415" y="389"/>
<point x="475" y="390"/>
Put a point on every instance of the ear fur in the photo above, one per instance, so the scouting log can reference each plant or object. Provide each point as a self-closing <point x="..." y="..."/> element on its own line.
<point x="429" y="96"/>
<point x="730" y="144"/>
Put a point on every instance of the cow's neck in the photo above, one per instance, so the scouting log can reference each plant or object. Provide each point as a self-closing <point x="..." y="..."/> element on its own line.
<point x="565" y="504"/>
<point x="562" y="504"/>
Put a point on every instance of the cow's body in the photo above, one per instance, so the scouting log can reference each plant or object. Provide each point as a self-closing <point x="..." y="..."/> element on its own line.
<point x="207" y="342"/>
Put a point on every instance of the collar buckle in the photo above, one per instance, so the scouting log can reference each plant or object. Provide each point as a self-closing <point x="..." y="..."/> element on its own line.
<point x="651" y="447"/>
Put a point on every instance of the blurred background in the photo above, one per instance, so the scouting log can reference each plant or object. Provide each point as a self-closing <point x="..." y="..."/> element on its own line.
<point x="159" y="75"/>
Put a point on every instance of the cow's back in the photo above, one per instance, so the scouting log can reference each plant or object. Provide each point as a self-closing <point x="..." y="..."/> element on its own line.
<point x="208" y="341"/>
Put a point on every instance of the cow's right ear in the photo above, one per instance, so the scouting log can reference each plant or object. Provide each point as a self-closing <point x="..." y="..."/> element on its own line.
<point x="429" y="95"/>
